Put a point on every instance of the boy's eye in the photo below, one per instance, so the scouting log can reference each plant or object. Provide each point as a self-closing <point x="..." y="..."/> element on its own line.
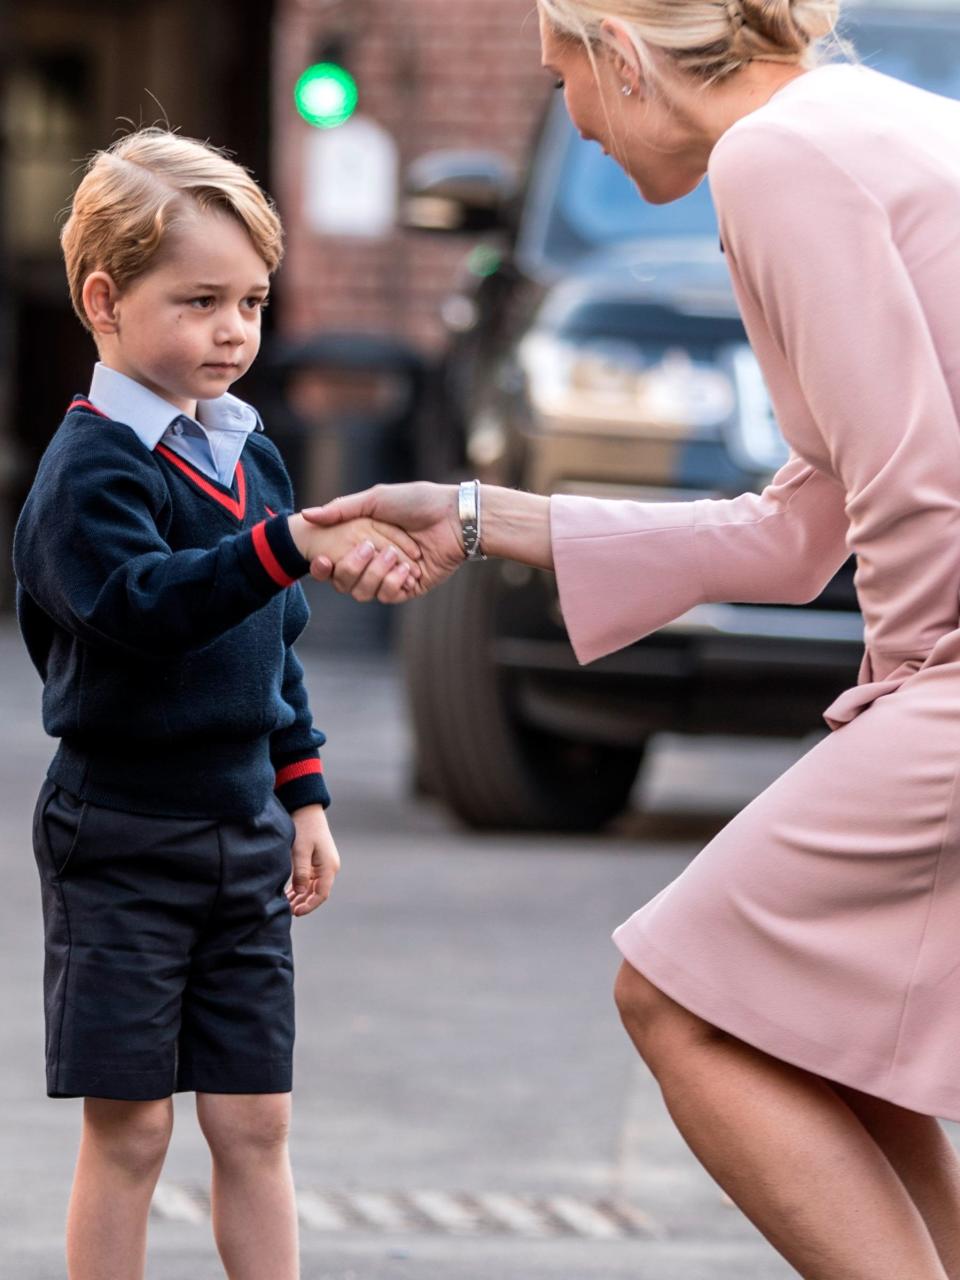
<point x="257" y="302"/>
<point x="558" y="84"/>
<point x="202" y="303"/>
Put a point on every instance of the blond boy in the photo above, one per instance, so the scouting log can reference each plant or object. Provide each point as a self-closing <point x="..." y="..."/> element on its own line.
<point x="157" y="565"/>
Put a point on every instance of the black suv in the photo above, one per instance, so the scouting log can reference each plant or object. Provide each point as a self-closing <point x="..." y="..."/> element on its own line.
<point x="596" y="348"/>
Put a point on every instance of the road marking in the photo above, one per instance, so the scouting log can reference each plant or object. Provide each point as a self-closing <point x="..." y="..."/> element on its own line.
<point x="639" y="1221"/>
<point x="486" y="1213"/>
<point x="379" y="1210"/>
<point x="318" y="1214"/>
<point x="447" y="1211"/>
<point x="584" y="1219"/>
<point x="176" y="1204"/>
<point x="513" y="1214"/>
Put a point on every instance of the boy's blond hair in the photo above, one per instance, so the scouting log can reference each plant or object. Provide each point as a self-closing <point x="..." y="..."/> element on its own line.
<point x="134" y="192"/>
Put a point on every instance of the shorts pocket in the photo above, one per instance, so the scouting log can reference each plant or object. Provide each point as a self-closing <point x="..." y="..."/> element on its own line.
<point x="47" y="792"/>
<point x="59" y="820"/>
<point x="287" y="823"/>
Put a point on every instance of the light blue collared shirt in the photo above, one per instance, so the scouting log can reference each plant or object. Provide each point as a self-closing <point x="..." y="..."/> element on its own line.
<point x="212" y="442"/>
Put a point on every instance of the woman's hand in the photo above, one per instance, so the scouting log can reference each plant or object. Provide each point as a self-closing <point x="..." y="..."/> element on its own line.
<point x="388" y="554"/>
<point x="426" y="511"/>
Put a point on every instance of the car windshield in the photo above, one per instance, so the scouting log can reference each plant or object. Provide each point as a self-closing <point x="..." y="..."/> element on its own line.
<point x="596" y="204"/>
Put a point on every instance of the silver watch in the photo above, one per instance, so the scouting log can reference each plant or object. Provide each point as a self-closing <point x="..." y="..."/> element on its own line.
<point x="468" y="504"/>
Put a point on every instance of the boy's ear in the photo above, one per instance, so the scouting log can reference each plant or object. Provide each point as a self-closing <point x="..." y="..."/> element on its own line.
<point x="100" y="296"/>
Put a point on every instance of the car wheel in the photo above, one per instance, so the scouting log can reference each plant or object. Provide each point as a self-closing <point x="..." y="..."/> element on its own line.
<point x="474" y="751"/>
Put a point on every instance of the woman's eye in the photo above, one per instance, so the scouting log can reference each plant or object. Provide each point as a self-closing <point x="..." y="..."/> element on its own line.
<point x="558" y="84"/>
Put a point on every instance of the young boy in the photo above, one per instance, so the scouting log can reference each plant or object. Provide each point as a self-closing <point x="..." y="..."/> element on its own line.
<point x="157" y="577"/>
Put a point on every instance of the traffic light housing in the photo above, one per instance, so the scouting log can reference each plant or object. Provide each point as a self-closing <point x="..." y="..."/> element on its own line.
<point x="326" y="94"/>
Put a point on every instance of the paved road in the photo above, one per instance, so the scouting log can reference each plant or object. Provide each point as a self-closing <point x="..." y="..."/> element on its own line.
<point x="467" y="1107"/>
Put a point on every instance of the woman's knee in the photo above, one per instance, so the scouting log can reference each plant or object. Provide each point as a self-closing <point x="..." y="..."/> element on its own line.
<point x="653" y="1019"/>
<point x="134" y="1136"/>
<point x="639" y="1002"/>
<point x="244" y="1126"/>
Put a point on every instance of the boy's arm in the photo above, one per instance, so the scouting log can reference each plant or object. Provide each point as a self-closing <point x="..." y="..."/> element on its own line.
<point x="300" y="786"/>
<point x="315" y="861"/>
<point x="89" y="549"/>
<point x="295" y="749"/>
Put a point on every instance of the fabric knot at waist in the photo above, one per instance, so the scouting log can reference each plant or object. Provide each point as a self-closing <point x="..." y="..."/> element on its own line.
<point x="867" y="690"/>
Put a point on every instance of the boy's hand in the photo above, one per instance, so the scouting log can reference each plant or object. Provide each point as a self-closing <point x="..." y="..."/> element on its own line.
<point x="429" y="514"/>
<point x="315" y="860"/>
<point x="396" y="569"/>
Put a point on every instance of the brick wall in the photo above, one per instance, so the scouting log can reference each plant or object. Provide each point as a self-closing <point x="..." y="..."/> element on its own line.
<point x="434" y="73"/>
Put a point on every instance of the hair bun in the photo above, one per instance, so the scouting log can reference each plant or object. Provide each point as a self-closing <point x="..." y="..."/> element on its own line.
<point x="784" y="27"/>
<point x="711" y="39"/>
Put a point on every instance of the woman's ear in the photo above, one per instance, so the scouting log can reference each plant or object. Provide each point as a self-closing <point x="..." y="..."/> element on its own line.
<point x="623" y="54"/>
<point x="100" y="297"/>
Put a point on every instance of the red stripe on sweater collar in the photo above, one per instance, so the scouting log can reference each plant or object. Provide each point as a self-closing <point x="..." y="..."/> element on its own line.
<point x="236" y="506"/>
<point x="81" y="403"/>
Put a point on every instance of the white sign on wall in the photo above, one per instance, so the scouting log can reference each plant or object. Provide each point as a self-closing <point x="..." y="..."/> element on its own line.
<point x="351" y="177"/>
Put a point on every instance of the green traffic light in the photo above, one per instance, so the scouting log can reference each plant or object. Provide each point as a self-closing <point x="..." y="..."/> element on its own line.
<point x="326" y="95"/>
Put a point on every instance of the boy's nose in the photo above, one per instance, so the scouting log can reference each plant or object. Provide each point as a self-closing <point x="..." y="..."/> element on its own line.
<point x="231" y="331"/>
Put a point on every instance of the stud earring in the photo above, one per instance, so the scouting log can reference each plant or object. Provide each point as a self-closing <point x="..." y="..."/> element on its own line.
<point x="626" y="90"/>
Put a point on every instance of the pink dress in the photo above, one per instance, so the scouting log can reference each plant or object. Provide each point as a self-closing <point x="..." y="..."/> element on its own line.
<point x="823" y="923"/>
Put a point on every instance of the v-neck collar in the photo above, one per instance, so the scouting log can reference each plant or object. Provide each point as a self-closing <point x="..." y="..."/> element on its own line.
<point x="236" y="504"/>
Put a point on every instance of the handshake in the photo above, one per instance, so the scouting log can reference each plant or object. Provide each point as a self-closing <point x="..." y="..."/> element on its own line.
<point x="391" y="543"/>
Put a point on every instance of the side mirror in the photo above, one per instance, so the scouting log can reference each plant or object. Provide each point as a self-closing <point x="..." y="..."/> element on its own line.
<point x="459" y="192"/>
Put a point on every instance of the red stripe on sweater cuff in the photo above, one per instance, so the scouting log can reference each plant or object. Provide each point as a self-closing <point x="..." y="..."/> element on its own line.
<point x="266" y="557"/>
<point x="301" y="769"/>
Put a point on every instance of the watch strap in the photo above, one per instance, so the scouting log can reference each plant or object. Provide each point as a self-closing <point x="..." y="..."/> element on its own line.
<point x="468" y="506"/>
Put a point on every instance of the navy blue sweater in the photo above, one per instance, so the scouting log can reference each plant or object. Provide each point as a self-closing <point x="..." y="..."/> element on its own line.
<point x="160" y="609"/>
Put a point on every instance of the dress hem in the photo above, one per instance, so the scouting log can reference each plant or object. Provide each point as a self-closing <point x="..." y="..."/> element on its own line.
<point x="745" y="1024"/>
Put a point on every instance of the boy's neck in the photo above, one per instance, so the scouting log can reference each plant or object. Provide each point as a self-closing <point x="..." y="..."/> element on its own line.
<point x="189" y="407"/>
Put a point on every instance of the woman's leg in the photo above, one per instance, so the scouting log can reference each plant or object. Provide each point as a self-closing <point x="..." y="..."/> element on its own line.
<point x="122" y="1147"/>
<point x="926" y="1162"/>
<point x="252" y="1201"/>
<point x="783" y="1146"/>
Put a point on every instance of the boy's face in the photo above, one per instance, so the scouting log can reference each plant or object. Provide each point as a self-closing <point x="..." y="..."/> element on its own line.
<point x="190" y="326"/>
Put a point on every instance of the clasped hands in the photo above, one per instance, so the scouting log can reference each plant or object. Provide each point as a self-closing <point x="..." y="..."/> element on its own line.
<point x="390" y="543"/>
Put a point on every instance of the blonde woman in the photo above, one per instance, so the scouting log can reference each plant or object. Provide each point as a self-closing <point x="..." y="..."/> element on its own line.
<point x="796" y="991"/>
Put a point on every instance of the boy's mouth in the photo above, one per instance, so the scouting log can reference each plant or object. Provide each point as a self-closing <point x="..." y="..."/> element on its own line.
<point x="220" y="365"/>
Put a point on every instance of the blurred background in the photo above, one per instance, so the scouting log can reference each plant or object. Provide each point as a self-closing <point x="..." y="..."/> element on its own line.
<point x="469" y="290"/>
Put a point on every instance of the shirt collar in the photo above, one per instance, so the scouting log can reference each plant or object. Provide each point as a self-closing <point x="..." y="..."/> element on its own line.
<point x="149" y="416"/>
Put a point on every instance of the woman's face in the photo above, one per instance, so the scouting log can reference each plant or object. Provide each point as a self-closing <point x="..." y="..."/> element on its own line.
<point x="656" y="141"/>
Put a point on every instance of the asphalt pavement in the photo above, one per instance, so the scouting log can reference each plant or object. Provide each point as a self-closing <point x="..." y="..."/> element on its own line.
<point x="467" y="1106"/>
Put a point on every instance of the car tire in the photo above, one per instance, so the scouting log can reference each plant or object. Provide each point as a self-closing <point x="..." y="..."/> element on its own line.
<point x="474" y="753"/>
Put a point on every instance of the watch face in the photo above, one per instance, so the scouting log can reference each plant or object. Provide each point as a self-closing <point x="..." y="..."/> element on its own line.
<point x="469" y="510"/>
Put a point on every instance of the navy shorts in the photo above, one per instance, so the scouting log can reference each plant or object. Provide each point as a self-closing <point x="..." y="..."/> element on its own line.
<point x="168" y="961"/>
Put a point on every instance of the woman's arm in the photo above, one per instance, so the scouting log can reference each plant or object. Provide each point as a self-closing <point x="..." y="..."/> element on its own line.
<point x="624" y="568"/>
<point x="516" y="526"/>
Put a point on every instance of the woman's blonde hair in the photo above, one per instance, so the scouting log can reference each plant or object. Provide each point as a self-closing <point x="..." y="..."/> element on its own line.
<point x="136" y="191"/>
<point x="708" y="38"/>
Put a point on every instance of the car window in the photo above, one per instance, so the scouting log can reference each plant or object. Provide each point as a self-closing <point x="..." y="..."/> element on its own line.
<point x="587" y="202"/>
<point x="914" y="49"/>
<point x="600" y="205"/>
